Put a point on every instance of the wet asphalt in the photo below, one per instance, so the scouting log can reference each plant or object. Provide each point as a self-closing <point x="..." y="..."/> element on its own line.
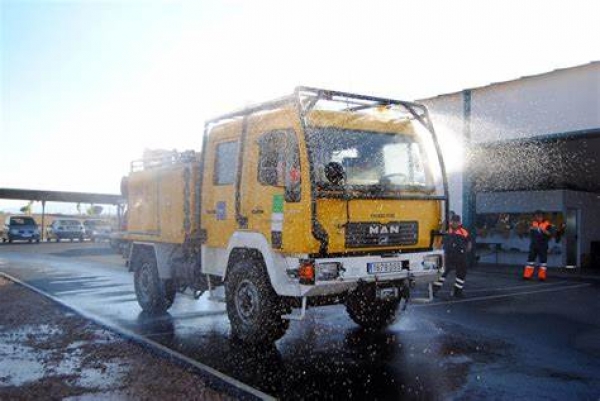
<point x="509" y="339"/>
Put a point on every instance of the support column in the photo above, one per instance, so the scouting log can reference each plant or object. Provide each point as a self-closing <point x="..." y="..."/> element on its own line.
<point x="469" y="208"/>
<point x="43" y="220"/>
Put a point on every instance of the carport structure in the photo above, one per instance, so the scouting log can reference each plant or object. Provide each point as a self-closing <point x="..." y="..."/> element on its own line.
<point x="61" y="196"/>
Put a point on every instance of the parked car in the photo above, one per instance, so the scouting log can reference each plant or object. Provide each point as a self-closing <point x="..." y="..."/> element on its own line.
<point x="97" y="229"/>
<point x="65" y="229"/>
<point x="20" y="228"/>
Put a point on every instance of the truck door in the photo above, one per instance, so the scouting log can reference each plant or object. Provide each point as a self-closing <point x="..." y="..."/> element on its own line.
<point x="270" y="177"/>
<point x="218" y="205"/>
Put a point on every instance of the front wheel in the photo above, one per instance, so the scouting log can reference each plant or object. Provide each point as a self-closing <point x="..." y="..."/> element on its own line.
<point x="253" y="307"/>
<point x="369" y="312"/>
<point x="153" y="294"/>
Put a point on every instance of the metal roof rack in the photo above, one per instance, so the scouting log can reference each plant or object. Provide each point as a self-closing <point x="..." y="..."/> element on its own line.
<point x="163" y="158"/>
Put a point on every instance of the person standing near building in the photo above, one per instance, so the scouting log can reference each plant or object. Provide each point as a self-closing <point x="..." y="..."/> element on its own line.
<point x="540" y="233"/>
<point x="457" y="245"/>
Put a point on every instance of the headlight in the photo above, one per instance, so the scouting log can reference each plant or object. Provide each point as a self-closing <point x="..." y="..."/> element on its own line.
<point x="432" y="262"/>
<point x="328" y="271"/>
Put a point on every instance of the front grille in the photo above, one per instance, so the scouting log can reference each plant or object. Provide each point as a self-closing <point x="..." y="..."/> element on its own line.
<point x="363" y="235"/>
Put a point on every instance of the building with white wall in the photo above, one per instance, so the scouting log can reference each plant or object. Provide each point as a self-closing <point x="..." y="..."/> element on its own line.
<point x="521" y="145"/>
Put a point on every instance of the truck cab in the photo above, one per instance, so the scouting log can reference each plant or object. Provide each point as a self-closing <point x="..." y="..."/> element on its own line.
<point x="321" y="197"/>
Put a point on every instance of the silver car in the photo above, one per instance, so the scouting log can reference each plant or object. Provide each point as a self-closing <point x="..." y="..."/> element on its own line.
<point x="97" y="229"/>
<point x="65" y="229"/>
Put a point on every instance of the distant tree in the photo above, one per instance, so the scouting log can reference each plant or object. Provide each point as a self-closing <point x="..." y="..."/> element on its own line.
<point x="94" y="210"/>
<point x="27" y="208"/>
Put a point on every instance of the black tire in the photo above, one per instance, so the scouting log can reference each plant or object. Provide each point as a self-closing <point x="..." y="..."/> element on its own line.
<point x="369" y="312"/>
<point x="253" y="307"/>
<point x="30" y="241"/>
<point x="57" y="239"/>
<point x="10" y="240"/>
<point x="37" y="241"/>
<point x="80" y="239"/>
<point x="153" y="294"/>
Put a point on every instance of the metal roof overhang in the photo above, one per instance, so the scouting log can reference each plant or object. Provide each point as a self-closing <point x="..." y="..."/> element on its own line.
<point x="60" y="196"/>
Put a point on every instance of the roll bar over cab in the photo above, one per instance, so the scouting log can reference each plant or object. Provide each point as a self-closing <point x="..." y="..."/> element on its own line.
<point x="316" y="198"/>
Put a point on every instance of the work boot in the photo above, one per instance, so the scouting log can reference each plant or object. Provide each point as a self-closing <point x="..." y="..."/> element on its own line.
<point x="528" y="272"/>
<point x="542" y="273"/>
<point x="458" y="293"/>
<point x="436" y="288"/>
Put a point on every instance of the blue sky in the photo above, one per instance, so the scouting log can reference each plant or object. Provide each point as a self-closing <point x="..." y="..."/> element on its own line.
<point x="87" y="86"/>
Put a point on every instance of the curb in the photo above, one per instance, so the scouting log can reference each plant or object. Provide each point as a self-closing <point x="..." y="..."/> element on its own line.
<point x="214" y="379"/>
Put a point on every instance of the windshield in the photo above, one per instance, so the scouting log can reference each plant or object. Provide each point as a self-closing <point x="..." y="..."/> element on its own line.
<point x="68" y="222"/>
<point x="391" y="161"/>
<point x="22" y="221"/>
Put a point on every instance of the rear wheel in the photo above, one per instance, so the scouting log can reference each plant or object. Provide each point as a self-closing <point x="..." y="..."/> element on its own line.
<point x="153" y="294"/>
<point x="369" y="312"/>
<point x="253" y="307"/>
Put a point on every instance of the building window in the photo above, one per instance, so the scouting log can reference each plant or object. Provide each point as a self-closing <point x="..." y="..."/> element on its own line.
<point x="226" y="162"/>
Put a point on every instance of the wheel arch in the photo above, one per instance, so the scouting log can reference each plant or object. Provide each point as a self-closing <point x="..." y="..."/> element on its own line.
<point x="253" y="244"/>
<point x="243" y="253"/>
<point x="136" y="251"/>
<point x="163" y="255"/>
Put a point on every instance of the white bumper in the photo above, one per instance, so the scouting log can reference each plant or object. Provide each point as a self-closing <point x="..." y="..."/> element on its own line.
<point x="355" y="270"/>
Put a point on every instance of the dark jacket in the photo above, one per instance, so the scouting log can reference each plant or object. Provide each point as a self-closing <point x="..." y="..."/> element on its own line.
<point x="456" y="242"/>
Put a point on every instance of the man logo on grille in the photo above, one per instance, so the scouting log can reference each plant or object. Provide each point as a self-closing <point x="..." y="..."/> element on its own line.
<point x="395" y="229"/>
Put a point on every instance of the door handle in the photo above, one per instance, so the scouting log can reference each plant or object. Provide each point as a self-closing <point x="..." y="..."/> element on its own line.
<point x="211" y="211"/>
<point x="257" y="211"/>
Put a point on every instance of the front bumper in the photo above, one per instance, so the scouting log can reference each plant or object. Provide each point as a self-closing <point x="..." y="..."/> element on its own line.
<point x="355" y="271"/>
<point x="67" y="234"/>
<point x="23" y="237"/>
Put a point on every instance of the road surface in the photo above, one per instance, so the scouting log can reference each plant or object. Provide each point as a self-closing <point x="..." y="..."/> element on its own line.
<point x="508" y="339"/>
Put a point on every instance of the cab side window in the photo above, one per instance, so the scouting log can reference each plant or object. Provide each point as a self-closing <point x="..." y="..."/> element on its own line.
<point x="271" y="159"/>
<point x="226" y="161"/>
<point x="279" y="163"/>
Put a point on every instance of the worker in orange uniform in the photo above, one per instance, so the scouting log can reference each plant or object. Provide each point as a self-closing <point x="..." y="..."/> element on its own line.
<point x="457" y="245"/>
<point x="540" y="233"/>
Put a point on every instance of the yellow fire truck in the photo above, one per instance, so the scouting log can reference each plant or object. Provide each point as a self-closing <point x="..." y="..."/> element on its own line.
<point x="316" y="198"/>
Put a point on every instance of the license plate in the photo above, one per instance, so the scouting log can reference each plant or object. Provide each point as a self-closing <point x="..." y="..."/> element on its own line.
<point x="387" y="293"/>
<point x="384" y="267"/>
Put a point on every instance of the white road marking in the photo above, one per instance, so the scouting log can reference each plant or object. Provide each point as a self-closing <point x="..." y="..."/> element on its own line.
<point x="514" y="287"/>
<point x="489" y="297"/>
